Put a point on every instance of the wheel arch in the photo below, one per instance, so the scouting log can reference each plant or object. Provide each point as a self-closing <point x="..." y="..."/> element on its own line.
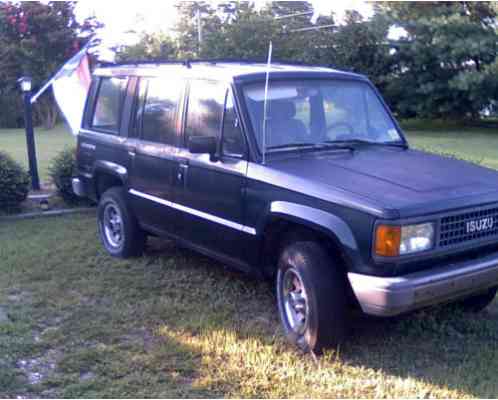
<point x="287" y="218"/>
<point x="106" y="175"/>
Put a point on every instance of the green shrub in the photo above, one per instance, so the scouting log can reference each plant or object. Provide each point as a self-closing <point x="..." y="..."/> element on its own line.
<point x="61" y="170"/>
<point x="14" y="183"/>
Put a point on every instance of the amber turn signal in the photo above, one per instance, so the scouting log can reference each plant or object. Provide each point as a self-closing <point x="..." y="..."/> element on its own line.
<point x="387" y="240"/>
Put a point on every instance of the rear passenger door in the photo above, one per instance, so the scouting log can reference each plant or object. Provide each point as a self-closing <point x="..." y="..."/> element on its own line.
<point x="211" y="190"/>
<point x="156" y="124"/>
<point x="102" y="136"/>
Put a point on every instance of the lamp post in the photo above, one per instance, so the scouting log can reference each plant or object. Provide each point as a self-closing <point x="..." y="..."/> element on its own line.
<point x="25" y="83"/>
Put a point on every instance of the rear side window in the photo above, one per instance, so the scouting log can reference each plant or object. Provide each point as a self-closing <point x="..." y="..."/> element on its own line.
<point x="205" y="109"/>
<point x="107" y="112"/>
<point x="160" y="110"/>
<point x="136" y="124"/>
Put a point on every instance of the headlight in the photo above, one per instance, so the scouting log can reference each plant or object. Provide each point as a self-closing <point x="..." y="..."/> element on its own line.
<point x="415" y="238"/>
<point x="392" y="240"/>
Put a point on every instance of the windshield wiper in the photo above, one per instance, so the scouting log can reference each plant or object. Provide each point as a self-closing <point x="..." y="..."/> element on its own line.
<point x="290" y="145"/>
<point x="335" y="145"/>
<point x="320" y="145"/>
<point x="369" y="142"/>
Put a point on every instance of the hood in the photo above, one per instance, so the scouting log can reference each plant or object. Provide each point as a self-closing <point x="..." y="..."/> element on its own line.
<point x="408" y="181"/>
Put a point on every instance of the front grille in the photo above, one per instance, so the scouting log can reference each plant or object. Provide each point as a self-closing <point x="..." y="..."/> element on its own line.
<point x="454" y="229"/>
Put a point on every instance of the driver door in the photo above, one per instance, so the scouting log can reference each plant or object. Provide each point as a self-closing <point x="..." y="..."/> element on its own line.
<point x="211" y="190"/>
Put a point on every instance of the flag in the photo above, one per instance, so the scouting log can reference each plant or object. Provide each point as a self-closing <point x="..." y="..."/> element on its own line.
<point x="70" y="85"/>
<point x="70" y="88"/>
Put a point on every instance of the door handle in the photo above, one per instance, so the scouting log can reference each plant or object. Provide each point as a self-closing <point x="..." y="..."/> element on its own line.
<point x="181" y="171"/>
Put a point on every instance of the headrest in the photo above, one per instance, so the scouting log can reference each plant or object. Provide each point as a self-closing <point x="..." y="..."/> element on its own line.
<point x="282" y="109"/>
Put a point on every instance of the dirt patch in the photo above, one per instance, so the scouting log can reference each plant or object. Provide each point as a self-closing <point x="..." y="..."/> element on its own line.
<point x="4" y="317"/>
<point x="141" y="336"/>
<point x="17" y="295"/>
<point x="87" y="376"/>
<point x="37" y="369"/>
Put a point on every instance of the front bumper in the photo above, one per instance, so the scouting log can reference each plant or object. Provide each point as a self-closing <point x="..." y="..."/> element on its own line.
<point x="396" y="295"/>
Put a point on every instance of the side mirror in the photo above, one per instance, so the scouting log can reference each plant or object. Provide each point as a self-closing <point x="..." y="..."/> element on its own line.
<point x="202" y="145"/>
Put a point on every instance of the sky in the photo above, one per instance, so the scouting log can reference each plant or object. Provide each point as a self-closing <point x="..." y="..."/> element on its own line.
<point x="149" y="15"/>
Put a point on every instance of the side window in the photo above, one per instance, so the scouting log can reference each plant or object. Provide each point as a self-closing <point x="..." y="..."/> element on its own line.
<point x="233" y="140"/>
<point x="107" y="112"/>
<point x="160" y="110"/>
<point x="136" y="124"/>
<point x="205" y="109"/>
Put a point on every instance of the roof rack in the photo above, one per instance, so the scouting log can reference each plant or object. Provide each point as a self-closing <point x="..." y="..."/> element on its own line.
<point x="188" y="62"/>
<point x="263" y="61"/>
<point x="142" y="62"/>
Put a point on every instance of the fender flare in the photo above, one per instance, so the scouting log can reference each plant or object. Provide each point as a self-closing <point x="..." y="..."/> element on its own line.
<point x="327" y="223"/>
<point x="111" y="168"/>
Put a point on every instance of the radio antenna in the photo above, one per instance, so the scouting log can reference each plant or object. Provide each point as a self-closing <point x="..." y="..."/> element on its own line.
<point x="265" y="105"/>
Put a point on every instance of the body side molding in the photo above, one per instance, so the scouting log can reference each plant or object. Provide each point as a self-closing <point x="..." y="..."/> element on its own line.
<point x="201" y="214"/>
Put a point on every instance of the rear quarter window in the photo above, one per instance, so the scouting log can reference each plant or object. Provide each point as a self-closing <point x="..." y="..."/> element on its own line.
<point x="160" y="110"/>
<point x="108" y="105"/>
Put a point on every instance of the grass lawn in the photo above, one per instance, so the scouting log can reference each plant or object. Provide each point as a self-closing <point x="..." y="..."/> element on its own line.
<point x="76" y="323"/>
<point x="474" y="144"/>
<point x="48" y="144"/>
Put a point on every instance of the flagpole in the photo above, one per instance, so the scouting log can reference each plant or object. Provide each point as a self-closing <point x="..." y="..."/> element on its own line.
<point x="47" y="84"/>
<point x="42" y="89"/>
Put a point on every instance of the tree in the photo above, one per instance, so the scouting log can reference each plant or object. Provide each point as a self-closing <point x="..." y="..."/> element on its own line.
<point x="36" y="39"/>
<point x="237" y="30"/>
<point x="150" y="47"/>
<point x="195" y="15"/>
<point x="360" y="46"/>
<point x="245" y="36"/>
<point x="445" y="65"/>
<point x="441" y="62"/>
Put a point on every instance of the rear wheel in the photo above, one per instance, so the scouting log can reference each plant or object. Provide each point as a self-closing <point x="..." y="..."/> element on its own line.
<point x="118" y="227"/>
<point x="479" y="302"/>
<point x="312" y="297"/>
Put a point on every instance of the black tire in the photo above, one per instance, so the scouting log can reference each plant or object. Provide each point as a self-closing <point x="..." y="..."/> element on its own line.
<point x="326" y="321"/>
<point x="479" y="302"/>
<point x="131" y="240"/>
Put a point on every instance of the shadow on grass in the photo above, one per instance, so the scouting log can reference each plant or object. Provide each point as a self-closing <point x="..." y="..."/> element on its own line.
<point x="175" y="324"/>
<point x="441" y="346"/>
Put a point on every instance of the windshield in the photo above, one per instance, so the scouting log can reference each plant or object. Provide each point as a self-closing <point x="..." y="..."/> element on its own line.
<point x="316" y="112"/>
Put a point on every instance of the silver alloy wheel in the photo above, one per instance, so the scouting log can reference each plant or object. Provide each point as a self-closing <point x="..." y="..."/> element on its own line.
<point x="112" y="222"/>
<point x="295" y="301"/>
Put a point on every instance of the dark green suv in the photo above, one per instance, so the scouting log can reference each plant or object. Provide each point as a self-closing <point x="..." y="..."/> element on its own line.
<point x="310" y="183"/>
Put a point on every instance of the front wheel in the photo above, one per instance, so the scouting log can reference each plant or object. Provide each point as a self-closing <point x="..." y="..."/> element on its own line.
<point x="312" y="297"/>
<point x="118" y="227"/>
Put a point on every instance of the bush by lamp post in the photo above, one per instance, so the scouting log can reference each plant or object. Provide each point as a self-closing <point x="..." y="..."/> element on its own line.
<point x="26" y="85"/>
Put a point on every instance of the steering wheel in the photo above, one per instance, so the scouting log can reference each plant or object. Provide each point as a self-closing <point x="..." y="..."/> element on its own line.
<point x="341" y="124"/>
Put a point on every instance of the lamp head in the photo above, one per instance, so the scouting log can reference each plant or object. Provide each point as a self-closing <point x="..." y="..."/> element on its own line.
<point x="26" y="83"/>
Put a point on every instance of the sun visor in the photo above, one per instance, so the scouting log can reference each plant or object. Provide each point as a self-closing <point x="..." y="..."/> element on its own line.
<point x="276" y="91"/>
